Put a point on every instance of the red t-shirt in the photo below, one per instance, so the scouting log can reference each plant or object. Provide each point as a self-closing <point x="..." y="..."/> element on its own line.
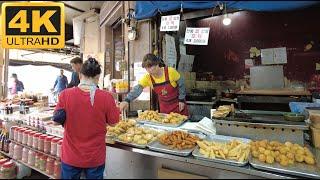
<point x="85" y="126"/>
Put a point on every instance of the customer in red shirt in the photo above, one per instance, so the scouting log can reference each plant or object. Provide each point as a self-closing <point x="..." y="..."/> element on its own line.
<point x="87" y="111"/>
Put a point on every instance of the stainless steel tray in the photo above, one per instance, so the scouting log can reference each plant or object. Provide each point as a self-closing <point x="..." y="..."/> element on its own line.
<point x="116" y="139"/>
<point x="131" y="144"/>
<point x="160" y="124"/>
<point x="157" y="146"/>
<point x="298" y="169"/>
<point x="218" y="138"/>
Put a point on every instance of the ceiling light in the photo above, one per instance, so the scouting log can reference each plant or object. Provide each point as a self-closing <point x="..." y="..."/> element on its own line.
<point x="226" y="20"/>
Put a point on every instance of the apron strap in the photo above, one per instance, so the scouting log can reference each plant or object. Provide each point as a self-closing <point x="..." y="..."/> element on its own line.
<point x="166" y="73"/>
<point x="152" y="80"/>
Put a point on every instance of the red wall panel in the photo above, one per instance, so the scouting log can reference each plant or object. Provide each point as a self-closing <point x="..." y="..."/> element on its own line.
<point x="229" y="45"/>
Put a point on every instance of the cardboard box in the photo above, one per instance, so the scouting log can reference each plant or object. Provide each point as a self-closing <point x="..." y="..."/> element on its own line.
<point x="202" y="84"/>
<point x="190" y="84"/>
<point x="186" y="75"/>
<point x="172" y="174"/>
<point x="140" y="105"/>
<point x="193" y="76"/>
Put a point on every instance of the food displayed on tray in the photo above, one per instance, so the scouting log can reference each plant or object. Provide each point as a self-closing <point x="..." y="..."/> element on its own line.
<point x="150" y="115"/>
<point x="222" y="111"/>
<point x="154" y="116"/>
<point x="232" y="150"/>
<point x="179" y="140"/>
<point x="284" y="154"/>
<point x="120" y="128"/>
<point x="139" y="135"/>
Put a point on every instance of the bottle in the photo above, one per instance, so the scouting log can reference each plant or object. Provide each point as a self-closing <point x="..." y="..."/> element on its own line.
<point x="6" y="143"/>
<point x="1" y="140"/>
<point x="11" y="109"/>
<point x="21" y="107"/>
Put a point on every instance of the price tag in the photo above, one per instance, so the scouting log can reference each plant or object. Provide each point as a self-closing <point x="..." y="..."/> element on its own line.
<point x="170" y="23"/>
<point x="197" y="36"/>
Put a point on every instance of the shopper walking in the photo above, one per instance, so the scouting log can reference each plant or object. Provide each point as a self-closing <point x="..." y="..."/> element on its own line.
<point x="76" y="64"/>
<point x="60" y="84"/>
<point x="16" y="85"/>
<point x="87" y="111"/>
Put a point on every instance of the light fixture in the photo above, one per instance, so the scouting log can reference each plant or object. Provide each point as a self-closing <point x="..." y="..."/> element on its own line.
<point x="132" y="33"/>
<point x="226" y="20"/>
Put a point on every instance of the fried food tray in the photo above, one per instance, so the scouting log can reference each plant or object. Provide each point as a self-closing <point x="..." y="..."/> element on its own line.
<point x="221" y="139"/>
<point x="141" y="146"/>
<point x="151" y="122"/>
<point x="298" y="169"/>
<point x="157" y="146"/>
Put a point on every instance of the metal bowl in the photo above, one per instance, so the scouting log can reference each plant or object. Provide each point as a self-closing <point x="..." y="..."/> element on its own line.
<point x="294" y="117"/>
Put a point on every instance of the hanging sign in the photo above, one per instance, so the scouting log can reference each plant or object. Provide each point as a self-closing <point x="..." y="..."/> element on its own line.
<point x="170" y="23"/>
<point x="197" y="36"/>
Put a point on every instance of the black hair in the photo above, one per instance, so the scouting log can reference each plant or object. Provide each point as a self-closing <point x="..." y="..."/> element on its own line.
<point x="14" y="75"/>
<point x="91" y="68"/>
<point x="152" y="60"/>
<point x="76" y="60"/>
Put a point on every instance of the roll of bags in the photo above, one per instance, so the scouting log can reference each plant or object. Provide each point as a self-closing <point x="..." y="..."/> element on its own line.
<point x="315" y="129"/>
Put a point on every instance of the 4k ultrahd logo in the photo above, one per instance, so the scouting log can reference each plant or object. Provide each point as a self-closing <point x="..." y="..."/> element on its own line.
<point x="33" y="25"/>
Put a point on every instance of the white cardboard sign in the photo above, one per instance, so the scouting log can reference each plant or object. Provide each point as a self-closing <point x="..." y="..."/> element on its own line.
<point x="197" y="36"/>
<point x="170" y="23"/>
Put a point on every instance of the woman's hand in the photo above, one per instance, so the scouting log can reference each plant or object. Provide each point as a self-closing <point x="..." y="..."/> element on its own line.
<point x="181" y="106"/>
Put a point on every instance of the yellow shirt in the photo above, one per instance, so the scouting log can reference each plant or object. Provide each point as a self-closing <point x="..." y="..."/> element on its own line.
<point x="174" y="76"/>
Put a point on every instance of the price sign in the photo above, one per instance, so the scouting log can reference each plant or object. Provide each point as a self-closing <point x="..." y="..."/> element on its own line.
<point x="197" y="36"/>
<point x="170" y="23"/>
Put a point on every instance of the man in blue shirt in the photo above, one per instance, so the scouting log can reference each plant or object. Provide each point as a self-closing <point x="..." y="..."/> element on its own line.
<point x="76" y="64"/>
<point x="60" y="83"/>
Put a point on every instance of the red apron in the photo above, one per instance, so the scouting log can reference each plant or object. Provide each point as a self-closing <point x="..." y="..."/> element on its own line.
<point x="168" y="96"/>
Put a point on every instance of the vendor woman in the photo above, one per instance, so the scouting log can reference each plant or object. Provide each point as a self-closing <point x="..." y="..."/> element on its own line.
<point x="166" y="83"/>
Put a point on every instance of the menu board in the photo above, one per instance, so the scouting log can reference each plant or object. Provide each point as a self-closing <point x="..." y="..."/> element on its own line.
<point x="170" y="23"/>
<point x="197" y="36"/>
<point x="274" y="56"/>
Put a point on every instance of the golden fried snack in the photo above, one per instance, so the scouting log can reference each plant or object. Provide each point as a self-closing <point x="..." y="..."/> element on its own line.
<point x="285" y="154"/>
<point x="309" y="160"/>
<point x="269" y="159"/>
<point x="222" y="111"/>
<point x="120" y="128"/>
<point x="262" y="158"/>
<point x="233" y="150"/>
<point x="179" y="140"/>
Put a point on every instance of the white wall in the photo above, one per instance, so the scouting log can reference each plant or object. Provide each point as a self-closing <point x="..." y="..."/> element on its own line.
<point x="37" y="78"/>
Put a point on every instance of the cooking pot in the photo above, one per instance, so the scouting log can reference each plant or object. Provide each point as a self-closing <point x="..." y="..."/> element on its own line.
<point x="294" y="117"/>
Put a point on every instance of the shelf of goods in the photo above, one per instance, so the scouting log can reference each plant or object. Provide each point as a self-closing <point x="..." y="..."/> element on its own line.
<point x="35" y="150"/>
<point x="53" y="159"/>
<point x="28" y="165"/>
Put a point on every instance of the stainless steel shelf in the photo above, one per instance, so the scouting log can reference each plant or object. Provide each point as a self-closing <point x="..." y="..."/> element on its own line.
<point x="50" y="155"/>
<point x="32" y="167"/>
<point x="192" y="160"/>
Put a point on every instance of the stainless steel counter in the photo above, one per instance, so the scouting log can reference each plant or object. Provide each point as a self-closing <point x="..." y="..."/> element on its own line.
<point x="127" y="162"/>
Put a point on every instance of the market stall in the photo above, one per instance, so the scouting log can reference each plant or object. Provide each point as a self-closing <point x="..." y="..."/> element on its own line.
<point x="249" y="155"/>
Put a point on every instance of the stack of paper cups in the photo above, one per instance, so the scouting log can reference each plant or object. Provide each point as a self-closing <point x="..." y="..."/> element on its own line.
<point x="212" y="112"/>
<point x="139" y="111"/>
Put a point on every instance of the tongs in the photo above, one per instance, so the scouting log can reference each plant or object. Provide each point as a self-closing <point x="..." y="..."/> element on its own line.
<point x="124" y="115"/>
